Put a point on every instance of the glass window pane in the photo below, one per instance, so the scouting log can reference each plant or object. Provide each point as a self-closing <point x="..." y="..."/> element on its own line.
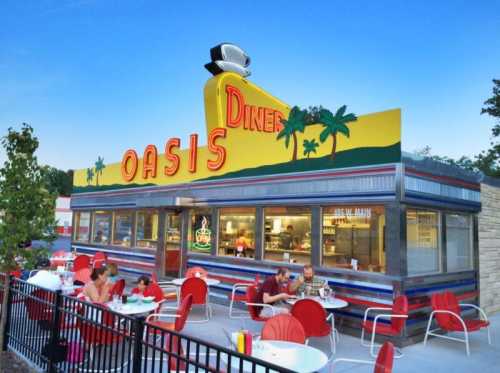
<point x="422" y="241"/>
<point x="287" y="234"/>
<point x="237" y="232"/>
<point x="101" y="231"/>
<point x="82" y="226"/>
<point x="354" y="232"/>
<point x="147" y="229"/>
<point x="200" y="232"/>
<point x="122" y="231"/>
<point x="458" y="242"/>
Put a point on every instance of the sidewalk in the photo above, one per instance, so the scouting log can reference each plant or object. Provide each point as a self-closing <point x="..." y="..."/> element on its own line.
<point x="439" y="356"/>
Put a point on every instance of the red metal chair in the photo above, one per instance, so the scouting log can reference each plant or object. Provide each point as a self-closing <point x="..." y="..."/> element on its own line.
<point x="398" y="316"/>
<point x="81" y="262"/>
<point x="315" y="321"/>
<point x="82" y="275"/>
<point x="58" y="254"/>
<point x="118" y="288"/>
<point x="234" y="297"/>
<point x="198" y="288"/>
<point x="181" y="315"/>
<point x="99" y="327"/>
<point x="283" y="328"/>
<point x="192" y="272"/>
<point x="254" y="309"/>
<point x="446" y="310"/>
<point x="383" y="364"/>
<point x="99" y="259"/>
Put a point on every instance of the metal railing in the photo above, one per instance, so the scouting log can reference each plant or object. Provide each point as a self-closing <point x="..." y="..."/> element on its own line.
<point x="58" y="333"/>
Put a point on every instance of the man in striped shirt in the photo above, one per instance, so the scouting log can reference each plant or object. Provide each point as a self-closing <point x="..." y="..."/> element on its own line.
<point x="307" y="283"/>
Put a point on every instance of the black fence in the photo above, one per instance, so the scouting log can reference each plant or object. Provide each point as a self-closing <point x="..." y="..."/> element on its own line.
<point x="58" y="333"/>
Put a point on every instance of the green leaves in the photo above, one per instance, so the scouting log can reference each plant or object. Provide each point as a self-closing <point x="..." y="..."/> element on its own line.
<point x="309" y="147"/>
<point x="27" y="207"/>
<point x="296" y="122"/>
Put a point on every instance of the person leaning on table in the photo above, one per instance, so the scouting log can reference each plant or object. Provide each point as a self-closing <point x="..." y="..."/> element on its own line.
<point x="308" y="283"/>
<point x="271" y="293"/>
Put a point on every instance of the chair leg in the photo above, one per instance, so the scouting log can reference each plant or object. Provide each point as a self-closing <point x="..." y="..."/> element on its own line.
<point x="372" y="345"/>
<point x="467" y="342"/>
<point x="363" y="338"/>
<point x="427" y="331"/>
<point x="333" y="344"/>
<point x="489" y="336"/>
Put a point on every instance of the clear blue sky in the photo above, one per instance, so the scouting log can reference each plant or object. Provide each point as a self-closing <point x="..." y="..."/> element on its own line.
<point x="97" y="77"/>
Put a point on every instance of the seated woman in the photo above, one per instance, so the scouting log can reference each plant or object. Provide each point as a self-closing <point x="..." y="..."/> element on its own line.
<point x="142" y="285"/>
<point x="112" y="273"/>
<point x="97" y="290"/>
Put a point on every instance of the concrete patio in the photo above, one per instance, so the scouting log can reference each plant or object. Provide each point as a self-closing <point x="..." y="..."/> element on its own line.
<point x="438" y="356"/>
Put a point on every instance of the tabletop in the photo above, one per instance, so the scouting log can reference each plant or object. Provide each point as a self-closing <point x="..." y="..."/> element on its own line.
<point x="136" y="308"/>
<point x="328" y="304"/>
<point x="294" y="356"/>
<point x="63" y="258"/>
<point x="209" y="281"/>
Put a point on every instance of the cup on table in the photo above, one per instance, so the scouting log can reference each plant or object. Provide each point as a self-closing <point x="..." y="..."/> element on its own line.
<point x="124" y="299"/>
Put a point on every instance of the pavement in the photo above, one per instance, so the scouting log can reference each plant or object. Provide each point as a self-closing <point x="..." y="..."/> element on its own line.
<point x="438" y="356"/>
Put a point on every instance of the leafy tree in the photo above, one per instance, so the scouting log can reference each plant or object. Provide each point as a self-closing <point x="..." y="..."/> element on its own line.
<point x="58" y="181"/>
<point x="310" y="147"/>
<point x="488" y="161"/>
<point x="99" y="167"/>
<point x="333" y="124"/>
<point x="28" y="208"/>
<point x="492" y="107"/>
<point x="90" y="175"/>
<point x="296" y="122"/>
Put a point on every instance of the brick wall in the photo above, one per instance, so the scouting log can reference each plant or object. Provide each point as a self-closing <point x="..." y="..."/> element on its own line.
<point x="489" y="248"/>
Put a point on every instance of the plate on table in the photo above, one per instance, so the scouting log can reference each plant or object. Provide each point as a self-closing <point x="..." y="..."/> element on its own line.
<point x="149" y="299"/>
<point x="132" y="299"/>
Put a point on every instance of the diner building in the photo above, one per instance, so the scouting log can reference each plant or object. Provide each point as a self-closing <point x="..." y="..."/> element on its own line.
<point x="373" y="221"/>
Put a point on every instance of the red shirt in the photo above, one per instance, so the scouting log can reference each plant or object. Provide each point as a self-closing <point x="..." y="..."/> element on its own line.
<point x="270" y="286"/>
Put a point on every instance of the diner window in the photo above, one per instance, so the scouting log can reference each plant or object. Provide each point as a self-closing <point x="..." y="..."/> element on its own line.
<point x="122" y="229"/>
<point x="237" y="232"/>
<point x="200" y="232"/>
<point x="458" y="242"/>
<point x="147" y="229"/>
<point x="82" y="226"/>
<point x="422" y="240"/>
<point x="287" y="234"/>
<point x="101" y="231"/>
<point x="353" y="237"/>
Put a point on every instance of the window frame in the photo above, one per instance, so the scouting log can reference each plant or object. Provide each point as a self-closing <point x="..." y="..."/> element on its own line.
<point x="470" y="218"/>
<point x="219" y="233"/>
<point x="77" y="226"/>
<point x="110" y="221"/>
<point x="135" y="221"/>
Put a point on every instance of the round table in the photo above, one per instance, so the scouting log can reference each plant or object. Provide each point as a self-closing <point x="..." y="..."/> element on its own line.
<point x="62" y="258"/>
<point x="136" y="308"/>
<point x="209" y="281"/>
<point x="294" y="356"/>
<point x="328" y="304"/>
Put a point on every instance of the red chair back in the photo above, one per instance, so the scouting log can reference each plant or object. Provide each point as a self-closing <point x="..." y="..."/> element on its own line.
<point x="445" y="301"/>
<point x="82" y="275"/>
<point x="154" y="290"/>
<point x="81" y="262"/>
<point x="99" y="259"/>
<point x="38" y="305"/>
<point x="385" y="358"/>
<point x="92" y="331"/>
<point x="118" y="288"/>
<point x="283" y="328"/>
<point x="251" y="297"/>
<point x="312" y="316"/>
<point x="399" y="307"/>
<point x="183" y="310"/>
<point x="191" y="272"/>
<point x="197" y="288"/>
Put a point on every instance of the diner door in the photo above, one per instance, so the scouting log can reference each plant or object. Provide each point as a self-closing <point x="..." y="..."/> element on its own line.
<point x="172" y="243"/>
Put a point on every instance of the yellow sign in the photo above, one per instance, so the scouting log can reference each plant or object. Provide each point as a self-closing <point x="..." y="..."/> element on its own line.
<point x="251" y="133"/>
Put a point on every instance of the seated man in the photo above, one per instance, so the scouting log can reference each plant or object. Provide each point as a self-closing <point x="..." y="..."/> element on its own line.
<point x="271" y="293"/>
<point x="308" y="283"/>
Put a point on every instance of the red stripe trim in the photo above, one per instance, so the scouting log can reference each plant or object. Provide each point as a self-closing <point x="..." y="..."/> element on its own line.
<point x="447" y="179"/>
<point x="229" y="279"/>
<point x="135" y="265"/>
<point x="362" y="302"/>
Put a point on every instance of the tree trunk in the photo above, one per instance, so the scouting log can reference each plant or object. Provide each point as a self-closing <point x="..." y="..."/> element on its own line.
<point x="294" y="158"/>
<point x="334" y="145"/>
<point x="97" y="179"/>
<point x="3" y="319"/>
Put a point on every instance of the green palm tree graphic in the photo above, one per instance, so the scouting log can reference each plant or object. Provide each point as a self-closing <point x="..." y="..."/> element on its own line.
<point x="334" y="124"/>
<point x="310" y="147"/>
<point x="296" y="122"/>
<point x="90" y="175"/>
<point x="99" y="166"/>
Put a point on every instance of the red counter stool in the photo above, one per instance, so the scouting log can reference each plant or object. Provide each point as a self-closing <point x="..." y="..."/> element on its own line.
<point x="398" y="316"/>
<point x="446" y="310"/>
